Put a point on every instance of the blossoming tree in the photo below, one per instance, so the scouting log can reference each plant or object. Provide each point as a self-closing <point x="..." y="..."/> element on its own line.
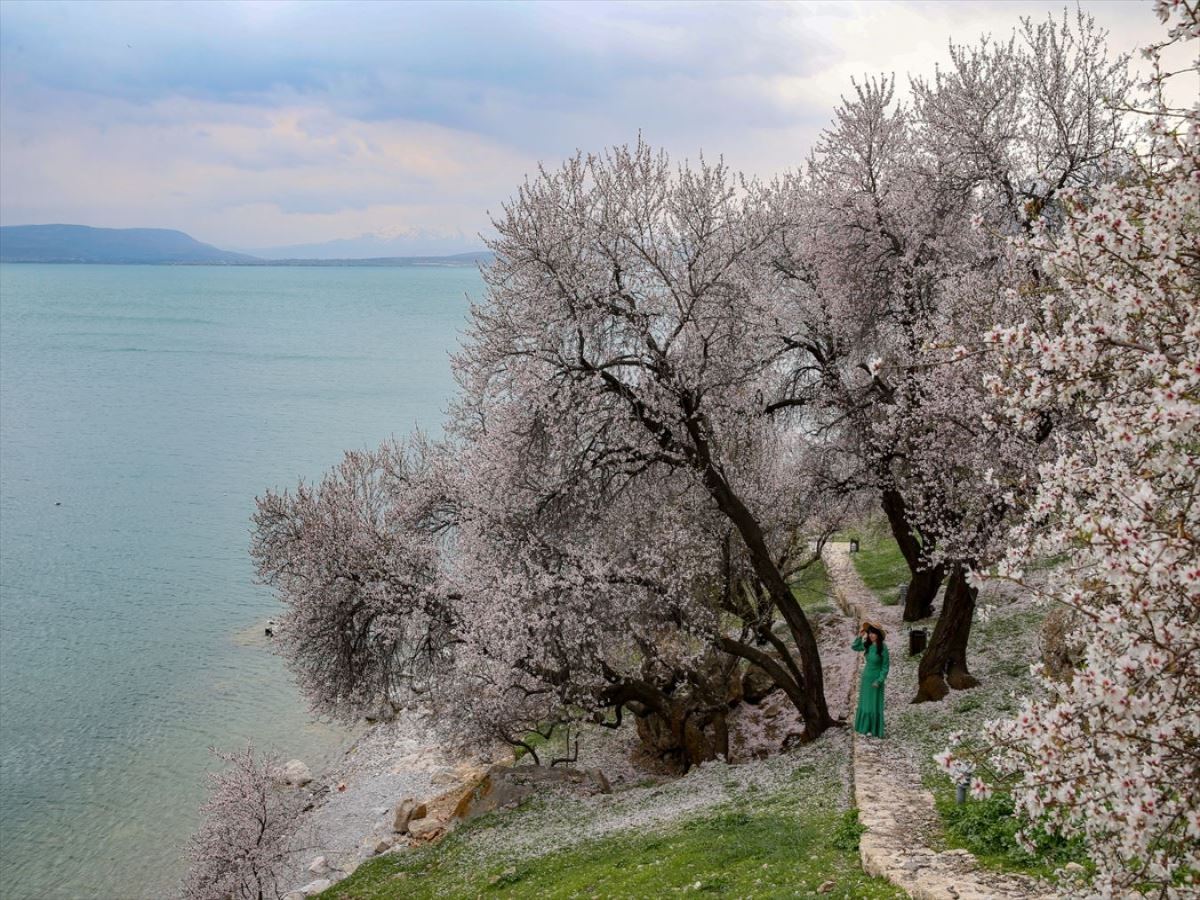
<point x="1110" y="753"/>
<point x="613" y="523"/>
<point x="247" y="838"/>
<point x="898" y="250"/>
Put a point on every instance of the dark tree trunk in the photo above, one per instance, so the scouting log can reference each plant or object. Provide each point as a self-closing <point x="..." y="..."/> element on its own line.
<point x="922" y="589"/>
<point x="812" y="707"/>
<point x="684" y="735"/>
<point x="944" y="665"/>
<point x="811" y="692"/>
<point x="923" y="583"/>
<point x="680" y="730"/>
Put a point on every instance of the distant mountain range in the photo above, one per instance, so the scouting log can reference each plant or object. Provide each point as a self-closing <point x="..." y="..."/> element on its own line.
<point x="81" y="244"/>
<point x="399" y="242"/>
<point x="162" y="246"/>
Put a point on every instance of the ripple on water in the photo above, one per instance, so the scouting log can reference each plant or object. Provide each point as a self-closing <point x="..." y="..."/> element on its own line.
<point x="132" y="623"/>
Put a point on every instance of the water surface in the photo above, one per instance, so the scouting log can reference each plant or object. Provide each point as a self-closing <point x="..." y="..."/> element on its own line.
<point x="141" y="410"/>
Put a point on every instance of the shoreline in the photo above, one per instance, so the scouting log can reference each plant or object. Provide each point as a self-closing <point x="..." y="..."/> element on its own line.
<point x="356" y="795"/>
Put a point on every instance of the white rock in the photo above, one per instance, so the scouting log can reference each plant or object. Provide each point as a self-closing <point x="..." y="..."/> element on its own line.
<point x="315" y="887"/>
<point x="318" y="866"/>
<point x="294" y="895"/>
<point x="295" y="772"/>
<point x="444" y="776"/>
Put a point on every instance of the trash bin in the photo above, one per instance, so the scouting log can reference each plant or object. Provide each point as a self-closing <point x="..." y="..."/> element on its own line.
<point x="917" y="641"/>
<point x="853" y="546"/>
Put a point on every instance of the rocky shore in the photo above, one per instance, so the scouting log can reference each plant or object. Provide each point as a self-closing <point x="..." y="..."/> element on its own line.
<point x="368" y="802"/>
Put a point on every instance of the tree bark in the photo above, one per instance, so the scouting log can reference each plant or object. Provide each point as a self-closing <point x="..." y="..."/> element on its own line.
<point x="923" y="583"/>
<point x="812" y="704"/>
<point x="922" y="589"/>
<point x="944" y="665"/>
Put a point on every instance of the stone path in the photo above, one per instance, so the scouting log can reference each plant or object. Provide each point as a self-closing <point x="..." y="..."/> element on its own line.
<point x="897" y="811"/>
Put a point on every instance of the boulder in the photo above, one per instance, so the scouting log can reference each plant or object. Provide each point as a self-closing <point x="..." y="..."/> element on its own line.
<point x="294" y="895"/>
<point x="424" y="829"/>
<point x="296" y="773"/>
<point x="384" y="711"/>
<point x="504" y="787"/>
<point x="407" y="812"/>
<point x="315" y="887"/>
<point x="444" y="776"/>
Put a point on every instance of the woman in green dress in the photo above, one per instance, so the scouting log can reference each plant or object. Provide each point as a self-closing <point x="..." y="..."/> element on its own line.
<point x="869" y="718"/>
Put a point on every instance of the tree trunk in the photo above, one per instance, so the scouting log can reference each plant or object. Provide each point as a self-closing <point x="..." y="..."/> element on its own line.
<point x="923" y="583"/>
<point x="922" y="588"/>
<point x="944" y="665"/>
<point x="812" y="704"/>
<point x="686" y="734"/>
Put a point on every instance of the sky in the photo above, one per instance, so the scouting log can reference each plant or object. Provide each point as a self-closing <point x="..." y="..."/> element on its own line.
<point x="267" y="124"/>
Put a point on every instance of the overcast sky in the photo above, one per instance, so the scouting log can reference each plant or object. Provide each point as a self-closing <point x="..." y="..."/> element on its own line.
<point x="258" y="124"/>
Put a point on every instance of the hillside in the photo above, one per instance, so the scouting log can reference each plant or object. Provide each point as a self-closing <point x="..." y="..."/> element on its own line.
<point x="83" y="244"/>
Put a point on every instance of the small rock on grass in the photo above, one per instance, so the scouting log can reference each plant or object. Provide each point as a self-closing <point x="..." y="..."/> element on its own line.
<point x="826" y="887"/>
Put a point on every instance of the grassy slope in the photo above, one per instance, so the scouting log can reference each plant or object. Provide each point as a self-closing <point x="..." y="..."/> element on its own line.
<point x="772" y="832"/>
<point x="879" y="562"/>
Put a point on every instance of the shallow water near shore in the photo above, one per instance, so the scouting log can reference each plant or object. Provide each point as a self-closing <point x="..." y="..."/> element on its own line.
<point x="153" y="404"/>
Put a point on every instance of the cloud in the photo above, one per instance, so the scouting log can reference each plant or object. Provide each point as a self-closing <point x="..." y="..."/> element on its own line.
<point x="260" y="123"/>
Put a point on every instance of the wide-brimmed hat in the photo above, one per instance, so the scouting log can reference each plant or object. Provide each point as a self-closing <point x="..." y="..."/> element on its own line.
<point x="876" y="626"/>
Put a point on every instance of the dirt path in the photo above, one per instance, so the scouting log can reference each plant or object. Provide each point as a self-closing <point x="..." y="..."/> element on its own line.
<point x="892" y="803"/>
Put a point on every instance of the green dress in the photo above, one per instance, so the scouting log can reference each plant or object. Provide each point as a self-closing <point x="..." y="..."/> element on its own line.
<point x="869" y="718"/>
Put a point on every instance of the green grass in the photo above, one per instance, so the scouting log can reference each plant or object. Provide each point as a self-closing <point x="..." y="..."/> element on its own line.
<point x="880" y="564"/>
<point x="738" y="852"/>
<point x="988" y="829"/>
<point x="812" y="590"/>
<point x="779" y="843"/>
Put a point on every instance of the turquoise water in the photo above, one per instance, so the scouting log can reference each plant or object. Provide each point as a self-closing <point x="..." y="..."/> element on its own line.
<point x="154" y="403"/>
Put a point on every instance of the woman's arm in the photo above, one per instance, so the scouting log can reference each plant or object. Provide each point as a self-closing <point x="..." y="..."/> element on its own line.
<point x="858" y="644"/>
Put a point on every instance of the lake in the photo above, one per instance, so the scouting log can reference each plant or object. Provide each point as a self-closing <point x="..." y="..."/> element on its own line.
<point x="141" y="410"/>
